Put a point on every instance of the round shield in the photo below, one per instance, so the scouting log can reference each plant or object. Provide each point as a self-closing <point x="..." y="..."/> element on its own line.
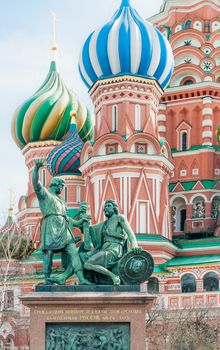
<point x="135" y="268"/>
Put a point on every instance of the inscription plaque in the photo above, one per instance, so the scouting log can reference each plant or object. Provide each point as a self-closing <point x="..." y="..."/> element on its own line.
<point x="88" y="336"/>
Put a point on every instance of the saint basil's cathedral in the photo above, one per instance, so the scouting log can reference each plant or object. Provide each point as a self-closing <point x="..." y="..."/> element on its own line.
<point x="152" y="146"/>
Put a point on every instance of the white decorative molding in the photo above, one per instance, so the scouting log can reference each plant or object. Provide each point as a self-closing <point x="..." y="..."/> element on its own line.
<point x="161" y="118"/>
<point x="125" y="155"/>
<point x="162" y="107"/>
<point x="162" y="128"/>
<point x="207" y="100"/>
<point x="195" y="171"/>
<point x="207" y="122"/>
<point x="207" y="111"/>
<point x="207" y="134"/>
<point x="207" y="144"/>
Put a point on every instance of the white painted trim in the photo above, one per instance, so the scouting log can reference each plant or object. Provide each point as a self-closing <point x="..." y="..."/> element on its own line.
<point x="194" y="191"/>
<point x="207" y="271"/>
<point x="149" y="102"/>
<point x="78" y="194"/>
<point x="97" y="177"/>
<point x="207" y="111"/>
<point x="136" y="174"/>
<point x="125" y="155"/>
<point x="137" y="117"/>
<point x="162" y="107"/>
<point x="189" y="153"/>
<point x="129" y="174"/>
<point x="162" y="128"/>
<point x="161" y="118"/>
<point x="172" y="199"/>
<point x="188" y="273"/>
<point x="129" y="194"/>
<point x="183" y="173"/>
<point x="158" y="196"/>
<point x="198" y="194"/>
<point x="207" y="122"/>
<point x="207" y="100"/>
<point x="215" y="195"/>
<point x="207" y="144"/>
<point x="195" y="171"/>
<point x="207" y="134"/>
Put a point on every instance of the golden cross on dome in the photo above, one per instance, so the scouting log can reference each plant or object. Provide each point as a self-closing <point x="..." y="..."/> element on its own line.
<point x="54" y="20"/>
<point x="54" y="44"/>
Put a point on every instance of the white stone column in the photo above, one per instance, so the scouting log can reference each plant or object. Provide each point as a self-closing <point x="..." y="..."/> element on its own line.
<point x="161" y="120"/>
<point x="207" y="122"/>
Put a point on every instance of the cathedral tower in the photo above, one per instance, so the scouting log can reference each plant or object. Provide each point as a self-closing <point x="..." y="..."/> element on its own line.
<point x="126" y="64"/>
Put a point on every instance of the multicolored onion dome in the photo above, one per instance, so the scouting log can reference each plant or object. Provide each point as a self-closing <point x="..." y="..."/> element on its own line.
<point x="46" y="115"/>
<point x="65" y="158"/>
<point x="127" y="44"/>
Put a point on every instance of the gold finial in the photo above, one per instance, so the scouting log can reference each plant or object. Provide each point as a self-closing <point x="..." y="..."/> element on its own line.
<point x="73" y="113"/>
<point x="54" y="44"/>
<point x="10" y="209"/>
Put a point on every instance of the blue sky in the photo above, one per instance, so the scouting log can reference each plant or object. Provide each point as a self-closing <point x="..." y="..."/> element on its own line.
<point x="25" y="39"/>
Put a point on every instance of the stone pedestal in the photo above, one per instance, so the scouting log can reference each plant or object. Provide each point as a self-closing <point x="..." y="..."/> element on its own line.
<point x="69" y="312"/>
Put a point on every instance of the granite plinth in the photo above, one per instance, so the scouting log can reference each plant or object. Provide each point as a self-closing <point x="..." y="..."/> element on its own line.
<point x="84" y="309"/>
<point x="87" y="288"/>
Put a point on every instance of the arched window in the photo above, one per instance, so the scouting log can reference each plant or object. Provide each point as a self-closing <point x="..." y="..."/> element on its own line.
<point x="188" y="24"/>
<point x="182" y="219"/>
<point x="178" y="214"/>
<point x="198" y="208"/>
<point x="153" y="285"/>
<point x="215" y="207"/>
<point x="188" y="283"/>
<point x="210" y="282"/>
<point x="137" y="117"/>
<point x="114" y="118"/>
<point x="184" y="141"/>
<point x="188" y="82"/>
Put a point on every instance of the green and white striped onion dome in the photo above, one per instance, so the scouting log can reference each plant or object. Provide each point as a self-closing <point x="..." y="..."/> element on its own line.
<point x="46" y="115"/>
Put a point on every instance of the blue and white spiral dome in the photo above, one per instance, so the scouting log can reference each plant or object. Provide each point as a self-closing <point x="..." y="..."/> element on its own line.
<point x="127" y="44"/>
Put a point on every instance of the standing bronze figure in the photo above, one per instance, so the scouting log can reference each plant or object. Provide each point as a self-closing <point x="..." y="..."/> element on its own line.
<point x="56" y="229"/>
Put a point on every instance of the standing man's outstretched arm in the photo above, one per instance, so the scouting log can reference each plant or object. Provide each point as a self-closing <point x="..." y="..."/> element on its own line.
<point x="39" y="163"/>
